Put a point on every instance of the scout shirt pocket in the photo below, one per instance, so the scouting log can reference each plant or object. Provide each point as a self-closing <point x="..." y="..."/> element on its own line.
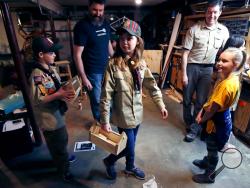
<point x="121" y="80"/>
<point x="200" y="40"/>
<point x="217" y="42"/>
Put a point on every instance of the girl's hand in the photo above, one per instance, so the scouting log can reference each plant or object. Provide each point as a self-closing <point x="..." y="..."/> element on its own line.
<point x="164" y="113"/>
<point x="106" y="127"/>
<point x="199" y="117"/>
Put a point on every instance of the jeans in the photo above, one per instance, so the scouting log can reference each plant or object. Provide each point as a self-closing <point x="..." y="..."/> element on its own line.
<point x="129" y="151"/>
<point x="95" y="94"/>
<point x="199" y="81"/>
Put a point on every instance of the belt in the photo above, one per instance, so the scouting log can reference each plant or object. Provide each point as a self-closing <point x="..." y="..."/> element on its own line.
<point x="202" y="65"/>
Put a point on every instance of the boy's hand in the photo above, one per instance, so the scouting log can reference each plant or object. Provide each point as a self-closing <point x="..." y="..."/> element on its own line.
<point x="106" y="127"/>
<point x="66" y="95"/>
<point x="164" y="113"/>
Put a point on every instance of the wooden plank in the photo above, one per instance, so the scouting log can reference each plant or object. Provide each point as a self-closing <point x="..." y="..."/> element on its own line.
<point x="153" y="59"/>
<point x="170" y="48"/>
<point x="176" y="72"/>
<point x="50" y="5"/>
<point x="242" y="116"/>
<point x="224" y="13"/>
<point x="171" y="94"/>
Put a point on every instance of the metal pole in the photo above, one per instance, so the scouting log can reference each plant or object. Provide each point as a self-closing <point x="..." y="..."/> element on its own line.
<point x="246" y="3"/>
<point x="53" y="32"/>
<point x="19" y="68"/>
<point x="70" y="38"/>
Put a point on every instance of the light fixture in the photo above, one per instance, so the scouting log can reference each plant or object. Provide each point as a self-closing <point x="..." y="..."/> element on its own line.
<point x="138" y="2"/>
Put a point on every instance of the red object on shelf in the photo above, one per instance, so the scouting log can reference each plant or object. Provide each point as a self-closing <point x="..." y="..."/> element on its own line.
<point x="242" y="103"/>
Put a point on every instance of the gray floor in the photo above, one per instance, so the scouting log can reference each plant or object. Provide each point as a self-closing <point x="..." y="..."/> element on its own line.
<point x="160" y="151"/>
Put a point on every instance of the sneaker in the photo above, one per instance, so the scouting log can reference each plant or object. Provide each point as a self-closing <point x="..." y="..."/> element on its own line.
<point x="68" y="176"/>
<point x="190" y="137"/>
<point x="110" y="170"/>
<point x="203" y="164"/>
<point x="228" y="148"/>
<point x="72" y="158"/>
<point x="204" y="178"/>
<point x="138" y="173"/>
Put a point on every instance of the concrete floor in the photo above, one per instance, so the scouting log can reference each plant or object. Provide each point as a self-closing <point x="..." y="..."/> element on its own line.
<point x="160" y="151"/>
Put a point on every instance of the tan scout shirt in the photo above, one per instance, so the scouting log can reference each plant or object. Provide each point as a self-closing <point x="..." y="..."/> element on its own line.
<point x="118" y="91"/>
<point x="47" y="115"/>
<point x="204" y="42"/>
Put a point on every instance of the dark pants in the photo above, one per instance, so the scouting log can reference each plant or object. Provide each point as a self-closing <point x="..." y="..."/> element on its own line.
<point x="57" y="141"/>
<point x="212" y="152"/>
<point x="199" y="81"/>
<point x="129" y="151"/>
<point x="216" y="141"/>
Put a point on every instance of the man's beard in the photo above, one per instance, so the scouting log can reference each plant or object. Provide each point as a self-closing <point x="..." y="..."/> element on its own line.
<point x="97" y="20"/>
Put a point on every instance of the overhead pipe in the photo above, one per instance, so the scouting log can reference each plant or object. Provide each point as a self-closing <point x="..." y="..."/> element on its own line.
<point x="10" y="32"/>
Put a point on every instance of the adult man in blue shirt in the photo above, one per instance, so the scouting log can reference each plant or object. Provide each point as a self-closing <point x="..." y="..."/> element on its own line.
<point x="91" y="50"/>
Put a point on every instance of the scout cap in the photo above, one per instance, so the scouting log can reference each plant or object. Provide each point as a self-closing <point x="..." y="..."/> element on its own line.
<point x="131" y="27"/>
<point x="44" y="44"/>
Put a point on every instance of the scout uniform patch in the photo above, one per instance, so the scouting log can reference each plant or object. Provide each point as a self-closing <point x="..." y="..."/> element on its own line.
<point x="45" y="84"/>
<point x="38" y="79"/>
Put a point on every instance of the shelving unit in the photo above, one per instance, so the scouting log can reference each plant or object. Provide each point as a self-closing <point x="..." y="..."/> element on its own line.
<point x="230" y="19"/>
<point x="63" y="68"/>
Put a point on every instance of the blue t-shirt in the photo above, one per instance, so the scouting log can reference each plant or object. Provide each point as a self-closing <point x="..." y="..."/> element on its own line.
<point x="95" y="40"/>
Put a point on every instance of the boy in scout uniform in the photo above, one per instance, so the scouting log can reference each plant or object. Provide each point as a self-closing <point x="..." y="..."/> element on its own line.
<point x="49" y="102"/>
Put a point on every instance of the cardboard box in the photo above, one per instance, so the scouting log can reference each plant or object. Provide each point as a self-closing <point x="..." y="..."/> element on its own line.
<point x="75" y="85"/>
<point x="109" y="141"/>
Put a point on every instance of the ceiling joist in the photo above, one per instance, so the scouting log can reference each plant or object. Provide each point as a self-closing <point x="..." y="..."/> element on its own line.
<point x="50" y="5"/>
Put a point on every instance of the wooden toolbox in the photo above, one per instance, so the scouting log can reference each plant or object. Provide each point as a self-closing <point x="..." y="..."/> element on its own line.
<point x="109" y="141"/>
<point x="74" y="85"/>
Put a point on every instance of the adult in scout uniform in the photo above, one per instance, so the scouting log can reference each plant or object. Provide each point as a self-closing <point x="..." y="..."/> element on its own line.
<point x="202" y="42"/>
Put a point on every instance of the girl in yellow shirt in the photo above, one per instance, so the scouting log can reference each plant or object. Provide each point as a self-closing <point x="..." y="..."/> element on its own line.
<point x="216" y="111"/>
